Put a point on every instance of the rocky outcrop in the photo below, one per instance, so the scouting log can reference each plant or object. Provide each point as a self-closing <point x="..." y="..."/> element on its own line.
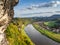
<point x="6" y="15"/>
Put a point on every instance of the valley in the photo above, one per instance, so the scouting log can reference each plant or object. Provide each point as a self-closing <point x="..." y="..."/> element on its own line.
<point x="26" y="31"/>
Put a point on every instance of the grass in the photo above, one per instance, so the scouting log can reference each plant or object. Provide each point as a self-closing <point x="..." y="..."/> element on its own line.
<point x="53" y="36"/>
<point x="50" y="23"/>
<point x="16" y="36"/>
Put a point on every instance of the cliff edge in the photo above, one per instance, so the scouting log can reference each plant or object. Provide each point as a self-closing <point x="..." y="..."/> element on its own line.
<point x="6" y="15"/>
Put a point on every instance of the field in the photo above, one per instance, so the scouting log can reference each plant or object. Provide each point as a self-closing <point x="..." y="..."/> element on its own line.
<point x="50" y="34"/>
<point x="15" y="33"/>
<point x="50" y="23"/>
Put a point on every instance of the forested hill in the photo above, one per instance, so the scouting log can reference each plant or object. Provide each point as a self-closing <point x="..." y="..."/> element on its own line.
<point x="51" y="18"/>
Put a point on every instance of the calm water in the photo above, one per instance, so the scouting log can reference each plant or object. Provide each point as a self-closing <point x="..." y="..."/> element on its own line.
<point x="37" y="37"/>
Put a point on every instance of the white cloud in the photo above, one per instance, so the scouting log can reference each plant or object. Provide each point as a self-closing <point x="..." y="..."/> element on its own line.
<point x="42" y="9"/>
<point x="43" y="5"/>
<point x="55" y="3"/>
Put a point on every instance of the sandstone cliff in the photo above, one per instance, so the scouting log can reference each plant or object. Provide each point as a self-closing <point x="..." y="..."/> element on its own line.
<point x="6" y="15"/>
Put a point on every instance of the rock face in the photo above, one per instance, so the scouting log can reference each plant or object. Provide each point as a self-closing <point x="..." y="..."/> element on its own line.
<point x="6" y="15"/>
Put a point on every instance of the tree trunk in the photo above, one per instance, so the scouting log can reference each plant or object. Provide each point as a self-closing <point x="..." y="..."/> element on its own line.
<point x="6" y="15"/>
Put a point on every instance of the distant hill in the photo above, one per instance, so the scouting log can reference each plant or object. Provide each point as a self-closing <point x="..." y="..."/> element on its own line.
<point x="53" y="17"/>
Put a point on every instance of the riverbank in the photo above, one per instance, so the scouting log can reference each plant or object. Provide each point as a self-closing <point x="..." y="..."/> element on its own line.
<point x="51" y="35"/>
<point x="37" y="37"/>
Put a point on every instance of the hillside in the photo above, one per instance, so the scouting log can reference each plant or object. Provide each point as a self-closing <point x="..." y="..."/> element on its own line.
<point x="15" y="33"/>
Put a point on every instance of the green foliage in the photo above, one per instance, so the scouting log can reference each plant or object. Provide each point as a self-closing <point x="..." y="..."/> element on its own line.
<point x="15" y="33"/>
<point x="50" y="24"/>
<point x="53" y="24"/>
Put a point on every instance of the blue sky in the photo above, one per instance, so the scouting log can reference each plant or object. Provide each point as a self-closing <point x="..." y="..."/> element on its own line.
<point x="33" y="8"/>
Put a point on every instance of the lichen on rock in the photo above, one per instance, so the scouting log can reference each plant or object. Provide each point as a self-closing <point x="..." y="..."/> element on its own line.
<point x="6" y="15"/>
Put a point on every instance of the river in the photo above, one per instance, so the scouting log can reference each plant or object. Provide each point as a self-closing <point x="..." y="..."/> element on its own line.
<point x="37" y="37"/>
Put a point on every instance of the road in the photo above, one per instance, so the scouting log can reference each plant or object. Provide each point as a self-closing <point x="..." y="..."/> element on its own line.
<point x="37" y="37"/>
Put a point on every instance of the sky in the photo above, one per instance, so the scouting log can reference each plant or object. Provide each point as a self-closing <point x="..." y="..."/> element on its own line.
<point x="37" y="8"/>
